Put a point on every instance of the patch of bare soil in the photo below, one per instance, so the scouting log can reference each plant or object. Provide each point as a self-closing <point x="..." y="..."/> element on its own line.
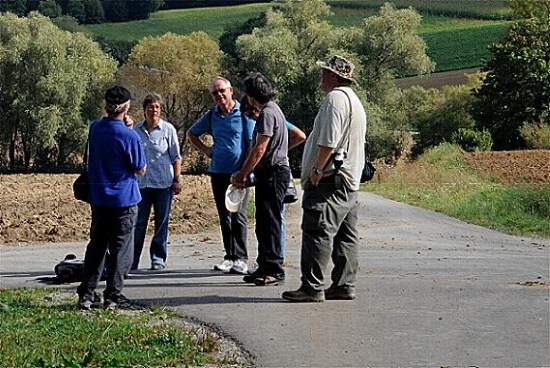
<point x="437" y="80"/>
<point x="531" y="166"/>
<point x="39" y="208"/>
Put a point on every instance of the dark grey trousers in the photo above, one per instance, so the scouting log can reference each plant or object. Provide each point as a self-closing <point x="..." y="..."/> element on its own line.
<point x="329" y="231"/>
<point x="112" y="229"/>
<point x="232" y="225"/>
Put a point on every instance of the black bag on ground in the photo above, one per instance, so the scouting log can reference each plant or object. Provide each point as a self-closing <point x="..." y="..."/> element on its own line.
<point x="70" y="269"/>
<point x="368" y="171"/>
<point x="81" y="187"/>
<point x="291" y="194"/>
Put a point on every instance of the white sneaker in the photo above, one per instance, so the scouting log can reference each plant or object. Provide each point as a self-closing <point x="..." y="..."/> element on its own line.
<point x="225" y="266"/>
<point x="239" y="267"/>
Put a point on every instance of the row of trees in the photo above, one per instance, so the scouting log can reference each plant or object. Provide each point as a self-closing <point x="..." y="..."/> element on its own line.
<point x="51" y="81"/>
<point x="85" y="11"/>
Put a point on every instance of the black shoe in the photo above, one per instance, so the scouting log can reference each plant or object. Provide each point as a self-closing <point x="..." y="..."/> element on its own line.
<point x="87" y="303"/>
<point x="301" y="295"/>
<point x="335" y="293"/>
<point x="251" y="277"/>
<point x="269" y="280"/>
<point x="117" y="301"/>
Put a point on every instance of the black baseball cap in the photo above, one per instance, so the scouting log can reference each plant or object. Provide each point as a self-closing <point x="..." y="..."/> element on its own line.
<point x="118" y="95"/>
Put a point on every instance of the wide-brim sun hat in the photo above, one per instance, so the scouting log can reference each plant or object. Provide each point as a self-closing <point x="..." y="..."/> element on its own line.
<point x="234" y="197"/>
<point x="339" y="66"/>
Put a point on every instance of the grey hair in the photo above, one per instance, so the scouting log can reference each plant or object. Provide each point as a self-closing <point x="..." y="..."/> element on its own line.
<point x="150" y="98"/>
<point x="115" y="109"/>
<point x="215" y="79"/>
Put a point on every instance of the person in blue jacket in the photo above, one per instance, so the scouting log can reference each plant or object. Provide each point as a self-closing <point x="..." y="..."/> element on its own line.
<point x="115" y="156"/>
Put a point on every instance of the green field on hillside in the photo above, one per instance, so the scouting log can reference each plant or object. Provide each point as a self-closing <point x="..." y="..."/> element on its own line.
<point x="453" y="43"/>
<point x="181" y="21"/>
<point x="461" y="48"/>
<point x="475" y="9"/>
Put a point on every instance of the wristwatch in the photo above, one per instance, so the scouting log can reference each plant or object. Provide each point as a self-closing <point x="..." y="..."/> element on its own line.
<point x="316" y="171"/>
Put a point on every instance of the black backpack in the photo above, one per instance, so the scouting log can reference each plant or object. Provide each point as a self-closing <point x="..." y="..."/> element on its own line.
<point x="71" y="269"/>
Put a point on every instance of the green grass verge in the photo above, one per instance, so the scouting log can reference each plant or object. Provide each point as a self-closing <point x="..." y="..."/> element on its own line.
<point x="43" y="328"/>
<point x="440" y="181"/>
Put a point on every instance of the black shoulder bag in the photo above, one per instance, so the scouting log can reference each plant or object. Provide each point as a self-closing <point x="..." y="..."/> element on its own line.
<point x="81" y="186"/>
<point x="368" y="169"/>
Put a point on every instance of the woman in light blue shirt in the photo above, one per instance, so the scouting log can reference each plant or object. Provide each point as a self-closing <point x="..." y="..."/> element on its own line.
<point x="162" y="180"/>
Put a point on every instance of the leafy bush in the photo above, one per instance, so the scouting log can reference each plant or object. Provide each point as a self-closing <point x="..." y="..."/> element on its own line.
<point x="517" y="86"/>
<point x="49" y="8"/>
<point x="17" y="7"/>
<point x="536" y="135"/>
<point x="76" y="9"/>
<point x="67" y="23"/>
<point x="117" y="49"/>
<point x="472" y="140"/>
<point x="94" y="11"/>
<point x="441" y="114"/>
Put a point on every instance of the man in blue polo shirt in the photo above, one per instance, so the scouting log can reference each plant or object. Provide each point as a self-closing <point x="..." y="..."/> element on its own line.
<point x="231" y="133"/>
<point x="115" y="155"/>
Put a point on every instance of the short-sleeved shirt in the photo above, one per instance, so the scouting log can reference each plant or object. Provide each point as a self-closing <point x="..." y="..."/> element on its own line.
<point x="115" y="153"/>
<point x="332" y="128"/>
<point x="231" y="137"/>
<point x="272" y="123"/>
<point x="162" y="149"/>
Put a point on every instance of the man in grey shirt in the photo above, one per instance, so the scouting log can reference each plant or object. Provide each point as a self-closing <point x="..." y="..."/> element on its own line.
<point x="331" y="169"/>
<point x="269" y="160"/>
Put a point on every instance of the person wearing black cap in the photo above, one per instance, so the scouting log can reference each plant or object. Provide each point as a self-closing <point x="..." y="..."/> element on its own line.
<point x="115" y="155"/>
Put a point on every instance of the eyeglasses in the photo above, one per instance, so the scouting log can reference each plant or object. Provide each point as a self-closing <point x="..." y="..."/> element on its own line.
<point x="218" y="91"/>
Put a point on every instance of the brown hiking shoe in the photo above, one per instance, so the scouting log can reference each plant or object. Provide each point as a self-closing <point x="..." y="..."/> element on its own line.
<point x="303" y="296"/>
<point x="334" y="293"/>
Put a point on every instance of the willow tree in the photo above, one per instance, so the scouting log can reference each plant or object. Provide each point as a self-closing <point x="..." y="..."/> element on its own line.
<point x="180" y="69"/>
<point x="51" y="84"/>
<point x="296" y="35"/>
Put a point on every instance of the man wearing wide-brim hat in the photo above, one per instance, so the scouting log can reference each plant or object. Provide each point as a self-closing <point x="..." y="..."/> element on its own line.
<point x="332" y="162"/>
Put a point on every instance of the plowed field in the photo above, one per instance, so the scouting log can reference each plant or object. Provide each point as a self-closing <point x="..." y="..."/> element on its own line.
<point x="40" y="208"/>
<point x="531" y="166"/>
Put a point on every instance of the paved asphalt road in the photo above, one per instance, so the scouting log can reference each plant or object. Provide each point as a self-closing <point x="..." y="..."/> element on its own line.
<point x="432" y="292"/>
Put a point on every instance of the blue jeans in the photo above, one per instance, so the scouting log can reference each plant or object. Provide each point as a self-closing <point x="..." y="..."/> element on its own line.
<point x="161" y="201"/>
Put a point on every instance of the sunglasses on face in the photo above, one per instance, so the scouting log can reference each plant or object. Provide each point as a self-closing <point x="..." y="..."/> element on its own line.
<point x="220" y="91"/>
